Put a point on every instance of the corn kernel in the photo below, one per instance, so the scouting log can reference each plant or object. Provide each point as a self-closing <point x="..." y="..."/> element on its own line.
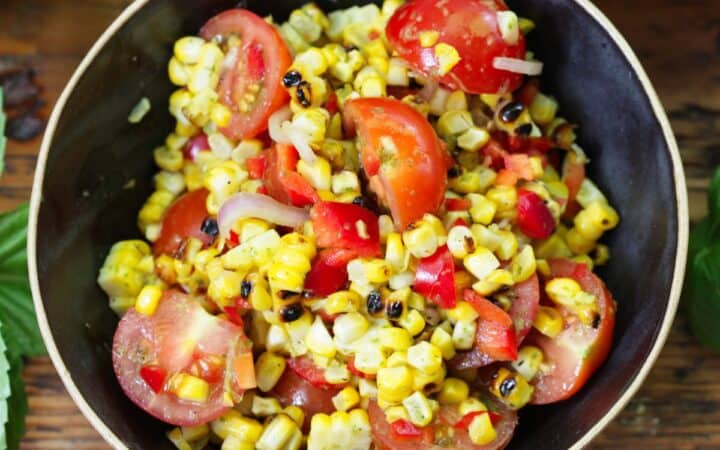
<point x="395" y="413"/>
<point x="413" y="321"/>
<point x="481" y="430"/>
<point x="268" y="370"/>
<point x="512" y="388"/>
<point x="265" y="406"/>
<point x="148" y="300"/>
<point x="481" y="262"/>
<point x="429" y="38"/>
<point x="425" y="357"/>
<point x="419" y="409"/>
<point x="548" y="321"/>
<point x="277" y="433"/>
<point x="190" y="388"/>
<point x="453" y="123"/>
<point x="453" y="391"/>
<point x="471" y="405"/>
<point x="318" y="339"/>
<point x="346" y="399"/>
<point x="462" y="312"/>
<point x="473" y="139"/>
<point x="528" y="362"/>
<point x="394" y="383"/>
<point x="395" y="338"/>
<point x="447" y="57"/>
<point x="421" y="241"/>
<point x="482" y="210"/>
<point x="369" y="360"/>
<point x="464" y="335"/>
<point x="442" y="340"/>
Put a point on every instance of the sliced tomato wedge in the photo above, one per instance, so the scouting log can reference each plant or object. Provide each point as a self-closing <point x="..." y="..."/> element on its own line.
<point x="435" y="278"/>
<point x="253" y="69"/>
<point x="181" y="337"/>
<point x="471" y="27"/>
<point x="573" y="174"/>
<point x="282" y="181"/>
<point x="328" y="273"/>
<point x="525" y="302"/>
<point x="575" y="354"/>
<point x="256" y="166"/>
<point x="183" y="219"/>
<point x="495" y="336"/>
<point x="292" y="389"/>
<point x="305" y="368"/>
<point x="346" y="226"/>
<point x="403" y="159"/>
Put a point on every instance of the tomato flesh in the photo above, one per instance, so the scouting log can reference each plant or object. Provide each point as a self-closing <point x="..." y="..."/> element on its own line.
<point x="526" y="301"/>
<point x="533" y="217"/>
<point x="579" y="349"/>
<point x="261" y="61"/>
<point x="282" y="181"/>
<point x="256" y="167"/>
<point x="346" y="226"/>
<point x="328" y="273"/>
<point x="495" y="336"/>
<point x="154" y="376"/>
<point x="292" y="389"/>
<point x="471" y="27"/>
<point x="183" y="220"/>
<point x="306" y="369"/>
<point x="435" y="278"/>
<point x="402" y="157"/>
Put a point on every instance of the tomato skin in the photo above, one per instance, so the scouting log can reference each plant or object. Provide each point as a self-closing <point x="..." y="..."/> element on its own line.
<point x="306" y="369"/>
<point x="335" y="226"/>
<point x="263" y="58"/>
<point x="328" y="273"/>
<point x="410" y="178"/>
<point x="495" y="335"/>
<point x="578" y="351"/>
<point x="457" y="204"/>
<point x="292" y="389"/>
<point x="282" y="181"/>
<point x="256" y="167"/>
<point x="573" y="174"/>
<point x="533" y="216"/>
<point x="525" y="306"/>
<point x="435" y="278"/>
<point x="471" y="27"/>
<point x="183" y="220"/>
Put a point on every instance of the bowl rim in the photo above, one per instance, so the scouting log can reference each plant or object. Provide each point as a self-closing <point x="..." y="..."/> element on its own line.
<point x="587" y="5"/>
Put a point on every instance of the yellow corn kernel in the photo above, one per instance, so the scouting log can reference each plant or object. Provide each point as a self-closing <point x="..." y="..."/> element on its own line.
<point x="345" y="181"/>
<point x="512" y="388"/>
<point x="457" y="101"/>
<point x="349" y="327"/>
<point x="295" y="413"/>
<point x="481" y="430"/>
<point x="369" y="360"/>
<point x="463" y="335"/>
<point x="584" y="259"/>
<point x="425" y="357"/>
<point x="190" y="388"/>
<point x="595" y="219"/>
<point x="442" y="340"/>
<point x="567" y="292"/>
<point x="507" y="244"/>
<point x="419" y="409"/>
<point x="453" y="391"/>
<point x="395" y="413"/>
<point x="175" y="436"/>
<point x="341" y="430"/>
<point x="319" y="341"/>
<point x="187" y="49"/>
<point x="148" y="300"/>
<point x="395" y="253"/>
<point x="447" y="57"/>
<point x="397" y="359"/>
<point x="429" y="38"/>
<point x="471" y="405"/>
<point x="226" y="285"/>
<point x="346" y="399"/>
<point x="395" y="338"/>
<point x="481" y="262"/>
<point x="548" y="321"/>
<point x="342" y="302"/>
<point x="421" y="241"/>
<point x="482" y="210"/>
<point x="495" y="280"/>
<point x="178" y="73"/>
<point x="195" y="433"/>
<point x="602" y="255"/>
<point x="413" y="321"/>
<point x="437" y="226"/>
<point x="397" y="72"/>
<point x="299" y="242"/>
<point x="453" y="123"/>
<point x="473" y="139"/>
<point x="543" y="109"/>
<point x="577" y="243"/>
<point x="318" y="174"/>
<point x="460" y="241"/>
<point x="523" y="264"/>
<point x="505" y="197"/>
<point x="265" y="406"/>
<point x="166" y="159"/>
<point x="277" y="433"/>
<point x="234" y="442"/>
<point x="462" y="312"/>
<point x="528" y="362"/>
<point x="269" y="367"/>
<point x="394" y="383"/>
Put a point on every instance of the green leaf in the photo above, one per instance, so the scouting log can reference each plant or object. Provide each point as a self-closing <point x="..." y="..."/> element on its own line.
<point x="702" y="291"/>
<point x="714" y="197"/>
<point x="4" y="390"/>
<point x="3" y="140"/>
<point x="17" y="405"/>
<point x="17" y="314"/>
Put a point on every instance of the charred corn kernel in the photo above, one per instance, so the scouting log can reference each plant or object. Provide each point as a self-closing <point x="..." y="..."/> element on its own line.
<point x="419" y="409"/>
<point x="447" y="57"/>
<point x="276" y="433"/>
<point x="462" y="312"/>
<point x="512" y="388"/>
<point x="452" y="123"/>
<point x="471" y="405"/>
<point x="397" y="72"/>
<point x="481" y="262"/>
<point x="473" y="139"/>
<point x="421" y="241"/>
<point x="602" y="254"/>
<point x="523" y="264"/>
<point x="528" y="361"/>
<point x="178" y="72"/>
<point x="464" y="335"/>
<point x="318" y="339"/>
<point x="394" y="383"/>
<point x="429" y="38"/>
<point x="543" y="109"/>
<point x="453" y="391"/>
<point x="169" y="160"/>
<point x="265" y="406"/>
<point x="340" y="431"/>
<point x="442" y="340"/>
<point x="505" y="197"/>
<point x="369" y="360"/>
<point x="596" y="218"/>
<point x="175" y="436"/>
<point x="413" y="322"/>
<point x="190" y="388"/>
<point x="346" y="399"/>
<point x="481" y="430"/>
<point x="277" y="339"/>
<point x="345" y="181"/>
<point x="148" y="300"/>
<point x="395" y="338"/>
<point x="482" y="210"/>
<point x="548" y="321"/>
<point x="342" y="302"/>
<point x="425" y="357"/>
<point x="577" y="243"/>
<point x="269" y="367"/>
<point x="397" y="412"/>
<point x="568" y="293"/>
<point x="508" y="244"/>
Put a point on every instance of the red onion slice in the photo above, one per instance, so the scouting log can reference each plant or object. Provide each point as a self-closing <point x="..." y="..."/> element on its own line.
<point x="516" y="65"/>
<point x="246" y="204"/>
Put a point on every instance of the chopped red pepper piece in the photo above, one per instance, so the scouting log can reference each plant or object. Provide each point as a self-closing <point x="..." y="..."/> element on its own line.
<point x="332" y="103"/>
<point x="435" y="278"/>
<point x="355" y="371"/>
<point x="306" y="369"/>
<point x="154" y="376"/>
<point x="233" y="239"/>
<point x="457" y="204"/>
<point x="346" y="226"/>
<point x="460" y="222"/>
<point x="533" y="216"/>
<point x="256" y="166"/>
<point x="328" y="273"/>
<point x="282" y="181"/>
<point x="495" y="336"/>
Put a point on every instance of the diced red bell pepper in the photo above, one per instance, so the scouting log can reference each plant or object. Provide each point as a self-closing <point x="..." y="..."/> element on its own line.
<point x="328" y="273"/>
<point x="306" y="369"/>
<point x="154" y="376"/>
<point x="233" y="239"/>
<point x="256" y="166"/>
<point x="460" y="222"/>
<point x="346" y="226"/>
<point x="533" y="216"/>
<point x="457" y="204"/>
<point x="495" y="154"/>
<point x="195" y="145"/>
<point x="282" y="181"/>
<point x="332" y="103"/>
<point x="435" y="278"/>
<point x="467" y="419"/>
<point x="357" y="372"/>
<point x="234" y="312"/>
<point x="495" y="334"/>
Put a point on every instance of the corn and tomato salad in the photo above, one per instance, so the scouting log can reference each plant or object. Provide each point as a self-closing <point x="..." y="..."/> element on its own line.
<point x="370" y="229"/>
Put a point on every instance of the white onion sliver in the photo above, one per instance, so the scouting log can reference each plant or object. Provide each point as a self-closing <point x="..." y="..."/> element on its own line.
<point x="428" y="90"/>
<point x="275" y="125"/>
<point x="247" y="204"/>
<point x="301" y="142"/>
<point x="516" y="65"/>
<point x="231" y="59"/>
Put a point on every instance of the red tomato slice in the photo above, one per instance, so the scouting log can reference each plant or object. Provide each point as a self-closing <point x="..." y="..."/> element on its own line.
<point x="183" y="220"/>
<point x="457" y="204"/>
<point x="533" y="216"/>
<point x="441" y="435"/>
<point x="328" y="273"/>
<point x="260" y="62"/>
<point x="347" y="226"/>
<point x="525" y="301"/>
<point x="495" y="335"/>
<point x="282" y="181"/>
<point x="471" y="26"/>
<point x="172" y="341"/>
<point x="573" y="176"/>
<point x="579" y="349"/>
<point x="292" y="389"/>
<point x="402" y="157"/>
<point x="256" y="166"/>
<point x="305" y="368"/>
<point x="435" y="278"/>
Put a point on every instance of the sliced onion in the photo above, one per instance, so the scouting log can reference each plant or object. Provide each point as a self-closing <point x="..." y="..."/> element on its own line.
<point x="428" y="90"/>
<point x="246" y="204"/>
<point x="516" y="65"/>
<point x="301" y="142"/>
<point x="275" y="125"/>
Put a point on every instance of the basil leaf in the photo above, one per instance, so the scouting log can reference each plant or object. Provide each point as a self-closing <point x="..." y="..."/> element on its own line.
<point x="702" y="289"/>
<point x="714" y="198"/>
<point x="17" y="405"/>
<point x="4" y="390"/>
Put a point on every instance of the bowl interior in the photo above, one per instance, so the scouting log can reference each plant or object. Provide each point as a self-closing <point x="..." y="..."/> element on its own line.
<point x="87" y="203"/>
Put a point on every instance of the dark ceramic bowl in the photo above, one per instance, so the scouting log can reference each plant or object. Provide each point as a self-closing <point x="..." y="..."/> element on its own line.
<point x="80" y="203"/>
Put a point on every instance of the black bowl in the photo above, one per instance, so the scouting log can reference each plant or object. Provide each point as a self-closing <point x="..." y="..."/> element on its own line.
<point x="81" y="203"/>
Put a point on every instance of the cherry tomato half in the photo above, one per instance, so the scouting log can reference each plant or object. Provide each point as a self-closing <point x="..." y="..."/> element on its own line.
<point x="471" y="27"/>
<point x="282" y="181"/>
<point x="261" y="61"/>
<point x="183" y="219"/>
<point x="495" y="334"/>
<point x="292" y="389"/>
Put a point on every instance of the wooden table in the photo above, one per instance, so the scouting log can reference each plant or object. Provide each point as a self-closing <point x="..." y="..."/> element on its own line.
<point x="679" y="44"/>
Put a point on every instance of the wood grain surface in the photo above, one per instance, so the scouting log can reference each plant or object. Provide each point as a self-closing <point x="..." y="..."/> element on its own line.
<point x="679" y="45"/>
